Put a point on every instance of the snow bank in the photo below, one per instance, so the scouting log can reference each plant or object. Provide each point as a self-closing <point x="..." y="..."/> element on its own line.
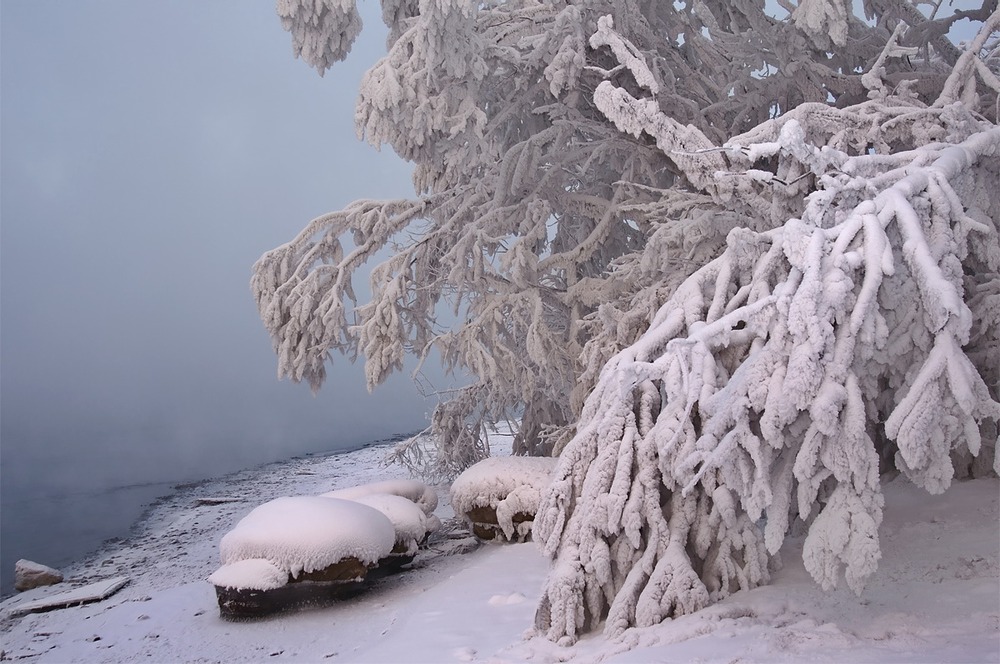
<point x="307" y="533"/>
<point x="510" y="485"/>
<point x="413" y="490"/>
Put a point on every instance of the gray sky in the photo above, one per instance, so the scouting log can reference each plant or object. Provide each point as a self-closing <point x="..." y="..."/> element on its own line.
<point x="150" y="153"/>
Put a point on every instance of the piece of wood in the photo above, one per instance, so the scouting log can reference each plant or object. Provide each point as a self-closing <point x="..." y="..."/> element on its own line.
<point x="221" y="500"/>
<point x="93" y="592"/>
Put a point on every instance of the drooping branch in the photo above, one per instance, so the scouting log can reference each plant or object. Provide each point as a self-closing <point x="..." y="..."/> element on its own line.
<point x="757" y="389"/>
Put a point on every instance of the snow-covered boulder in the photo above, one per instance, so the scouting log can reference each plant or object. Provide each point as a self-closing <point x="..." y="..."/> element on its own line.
<point x="28" y="575"/>
<point x="297" y="549"/>
<point x="309" y="533"/>
<point x="413" y="490"/>
<point x="408" y="520"/>
<point x="499" y="496"/>
<point x="394" y="498"/>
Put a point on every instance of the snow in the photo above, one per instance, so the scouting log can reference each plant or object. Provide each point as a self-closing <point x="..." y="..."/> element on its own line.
<point x="308" y="533"/>
<point x="408" y="520"/>
<point x="510" y="484"/>
<point x="256" y="573"/>
<point x="412" y="490"/>
<point x="934" y="598"/>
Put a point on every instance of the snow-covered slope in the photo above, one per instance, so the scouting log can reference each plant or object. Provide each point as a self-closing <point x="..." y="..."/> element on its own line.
<point x="935" y="597"/>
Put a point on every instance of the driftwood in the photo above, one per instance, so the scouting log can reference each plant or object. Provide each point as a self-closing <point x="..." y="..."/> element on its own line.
<point x="93" y="592"/>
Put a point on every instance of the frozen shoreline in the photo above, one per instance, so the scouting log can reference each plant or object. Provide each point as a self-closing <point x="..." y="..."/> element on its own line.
<point x="935" y="597"/>
<point x="151" y="496"/>
<point x="186" y="504"/>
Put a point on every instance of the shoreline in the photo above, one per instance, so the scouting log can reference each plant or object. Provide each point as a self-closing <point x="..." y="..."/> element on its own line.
<point x="165" y="494"/>
<point x="933" y="597"/>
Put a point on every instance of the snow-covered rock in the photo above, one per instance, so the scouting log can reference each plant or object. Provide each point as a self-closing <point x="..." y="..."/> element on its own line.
<point x="298" y="550"/>
<point x="413" y="490"/>
<point x="500" y="495"/>
<point x="309" y="533"/>
<point x="28" y="575"/>
<point x="408" y="520"/>
<point x="251" y="573"/>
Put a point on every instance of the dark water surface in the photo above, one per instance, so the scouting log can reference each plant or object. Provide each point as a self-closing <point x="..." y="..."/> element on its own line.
<point x="57" y="529"/>
<point x="58" y="525"/>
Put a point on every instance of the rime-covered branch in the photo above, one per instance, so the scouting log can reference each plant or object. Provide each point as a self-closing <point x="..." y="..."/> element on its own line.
<point x="756" y="395"/>
<point x="573" y="164"/>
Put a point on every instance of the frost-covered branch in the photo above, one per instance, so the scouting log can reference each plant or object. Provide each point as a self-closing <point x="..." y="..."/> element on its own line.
<point x="573" y="164"/>
<point x="758" y="393"/>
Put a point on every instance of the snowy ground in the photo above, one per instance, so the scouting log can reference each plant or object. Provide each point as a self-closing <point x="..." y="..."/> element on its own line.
<point x="935" y="597"/>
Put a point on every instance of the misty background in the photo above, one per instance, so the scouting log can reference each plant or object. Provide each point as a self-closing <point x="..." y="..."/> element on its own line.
<point x="149" y="153"/>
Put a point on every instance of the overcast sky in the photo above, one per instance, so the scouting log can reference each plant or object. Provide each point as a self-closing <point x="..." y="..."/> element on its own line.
<point x="151" y="151"/>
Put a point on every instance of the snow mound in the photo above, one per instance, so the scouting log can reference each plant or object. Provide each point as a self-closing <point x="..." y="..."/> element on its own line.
<point x="510" y="485"/>
<point x="412" y="490"/>
<point x="309" y="533"/>
<point x="408" y="520"/>
<point x="256" y="573"/>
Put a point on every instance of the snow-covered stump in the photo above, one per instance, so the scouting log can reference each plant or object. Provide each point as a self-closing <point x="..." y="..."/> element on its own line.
<point x="499" y="496"/>
<point x="290" y="552"/>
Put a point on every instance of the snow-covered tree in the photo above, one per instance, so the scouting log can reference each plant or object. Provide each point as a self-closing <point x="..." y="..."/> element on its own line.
<point x="774" y="382"/>
<point x="730" y="262"/>
<point x="527" y="194"/>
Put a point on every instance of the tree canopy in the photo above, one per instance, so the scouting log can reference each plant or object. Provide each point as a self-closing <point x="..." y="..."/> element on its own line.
<point x="730" y="262"/>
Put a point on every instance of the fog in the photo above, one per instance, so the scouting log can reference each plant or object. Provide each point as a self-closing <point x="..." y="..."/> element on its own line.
<point x="150" y="152"/>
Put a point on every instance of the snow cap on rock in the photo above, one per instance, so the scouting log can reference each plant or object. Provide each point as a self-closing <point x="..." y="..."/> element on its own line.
<point x="256" y="573"/>
<point x="413" y="490"/>
<point x="309" y="533"/>
<point x="407" y="518"/>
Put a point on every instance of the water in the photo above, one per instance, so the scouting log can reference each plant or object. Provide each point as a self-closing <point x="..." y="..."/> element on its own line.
<point x="57" y="526"/>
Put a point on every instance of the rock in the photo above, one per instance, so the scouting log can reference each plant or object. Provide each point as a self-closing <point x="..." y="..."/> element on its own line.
<point x="318" y="588"/>
<point x="28" y="575"/>
<point x="498" y="496"/>
<point x="486" y="525"/>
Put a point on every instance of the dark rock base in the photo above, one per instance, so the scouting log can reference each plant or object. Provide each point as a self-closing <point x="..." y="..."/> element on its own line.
<point x="486" y="526"/>
<point x="340" y="581"/>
